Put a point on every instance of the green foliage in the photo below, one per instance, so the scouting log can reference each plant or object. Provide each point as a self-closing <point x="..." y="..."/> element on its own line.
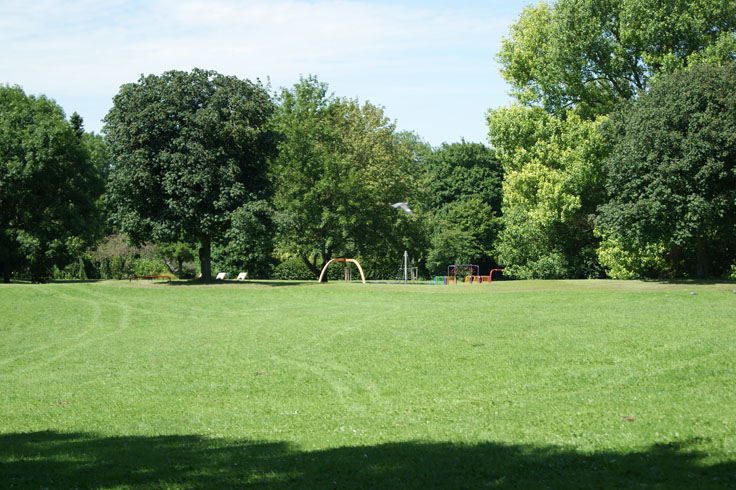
<point x="553" y="183"/>
<point x="115" y="258"/>
<point x="463" y="170"/>
<point x="174" y="255"/>
<point x="80" y="269"/>
<point x="149" y="267"/>
<point x="570" y="63"/>
<point x="464" y="199"/>
<point x="77" y="124"/>
<point x="292" y="269"/>
<point x="672" y="173"/>
<point x="622" y="262"/>
<point x="248" y="244"/>
<point x="418" y="148"/>
<point x="188" y="150"/>
<point x="295" y="269"/>
<point x="340" y="166"/>
<point x="116" y="268"/>
<point x="100" y="157"/>
<point x="465" y="232"/>
<point x="48" y="187"/>
<point x="591" y="54"/>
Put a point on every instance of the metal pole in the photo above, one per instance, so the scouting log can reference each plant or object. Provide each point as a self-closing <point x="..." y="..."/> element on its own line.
<point x="406" y="259"/>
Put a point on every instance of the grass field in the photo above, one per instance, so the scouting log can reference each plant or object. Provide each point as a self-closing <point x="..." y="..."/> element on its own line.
<point x="528" y="384"/>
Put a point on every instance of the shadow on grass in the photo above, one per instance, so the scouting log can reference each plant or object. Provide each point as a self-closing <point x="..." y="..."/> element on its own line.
<point x="68" y="460"/>
<point x="692" y="281"/>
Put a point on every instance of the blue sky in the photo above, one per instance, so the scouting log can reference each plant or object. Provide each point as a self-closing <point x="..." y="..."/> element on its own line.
<point x="429" y="63"/>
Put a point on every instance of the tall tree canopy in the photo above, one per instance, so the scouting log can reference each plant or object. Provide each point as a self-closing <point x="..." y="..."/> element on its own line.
<point x="570" y="63"/>
<point x="591" y="54"/>
<point x="552" y="186"/>
<point x="672" y="172"/>
<point x="188" y="150"/>
<point x="340" y="166"/>
<point x="48" y="186"/>
<point x="464" y="198"/>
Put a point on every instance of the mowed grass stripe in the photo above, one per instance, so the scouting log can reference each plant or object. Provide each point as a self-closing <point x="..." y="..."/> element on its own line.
<point x="582" y="367"/>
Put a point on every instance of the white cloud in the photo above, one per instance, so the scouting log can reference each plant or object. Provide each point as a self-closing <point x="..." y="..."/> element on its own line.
<point x="88" y="48"/>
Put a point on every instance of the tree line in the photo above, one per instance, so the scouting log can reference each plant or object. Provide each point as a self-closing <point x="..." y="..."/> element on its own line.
<point x="617" y="159"/>
<point x="207" y="169"/>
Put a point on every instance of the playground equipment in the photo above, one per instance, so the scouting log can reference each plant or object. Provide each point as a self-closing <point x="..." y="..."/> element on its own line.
<point x="409" y="273"/>
<point x="490" y="274"/>
<point x="472" y="269"/>
<point x="347" y="273"/>
<point x="472" y="276"/>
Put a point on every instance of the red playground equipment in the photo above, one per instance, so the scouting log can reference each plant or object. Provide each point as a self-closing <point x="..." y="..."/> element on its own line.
<point x="472" y="274"/>
<point x="490" y="274"/>
<point x="471" y="271"/>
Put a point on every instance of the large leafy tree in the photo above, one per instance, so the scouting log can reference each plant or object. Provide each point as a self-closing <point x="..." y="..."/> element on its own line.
<point x="48" y="187"/>
<point x="591" y="54"/>
<point x="552" y="186"/>
<point x="672" y="173"/>
<point x="464" y="199"/>
<point x="340" y="166"/>
<point x="188" y="150"/>
<point x="570" y="63"/>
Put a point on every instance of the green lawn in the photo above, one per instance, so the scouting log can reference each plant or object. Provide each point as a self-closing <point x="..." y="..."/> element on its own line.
<point x="528" y="384"/>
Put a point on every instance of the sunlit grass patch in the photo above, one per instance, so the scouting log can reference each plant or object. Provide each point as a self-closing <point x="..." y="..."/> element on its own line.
<point x="528" y="383"/>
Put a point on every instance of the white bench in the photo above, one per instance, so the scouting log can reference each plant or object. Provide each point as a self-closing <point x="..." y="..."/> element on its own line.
<point x="242" y="276"/>
<point x="222" y="275"/>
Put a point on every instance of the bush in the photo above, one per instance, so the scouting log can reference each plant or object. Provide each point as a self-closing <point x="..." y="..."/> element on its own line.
<point x="115" y="267"/>
<point x="80" y="269"/>
<point x="149" y="267"/>
<point x="292" y="269"/>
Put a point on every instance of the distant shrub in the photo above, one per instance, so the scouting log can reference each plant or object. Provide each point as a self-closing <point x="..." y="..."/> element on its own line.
<point x="149" y="267"/>
<point x="292" y="269"/>
<point x="80" y="269"/>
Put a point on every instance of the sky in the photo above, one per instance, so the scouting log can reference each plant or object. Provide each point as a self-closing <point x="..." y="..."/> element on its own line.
<point x="430" y="64"/>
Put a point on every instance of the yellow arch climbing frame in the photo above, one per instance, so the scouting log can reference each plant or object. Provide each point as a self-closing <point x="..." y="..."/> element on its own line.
<point x="324" y="269"/>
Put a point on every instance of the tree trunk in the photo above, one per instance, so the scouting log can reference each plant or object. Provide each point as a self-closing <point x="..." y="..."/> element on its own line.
<point x="674" y="258"/>
<point x="312" y="267"/>
<point x="703" y="259"/>
<point x="168" y="266"/>
<point x="205" y="263"/>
